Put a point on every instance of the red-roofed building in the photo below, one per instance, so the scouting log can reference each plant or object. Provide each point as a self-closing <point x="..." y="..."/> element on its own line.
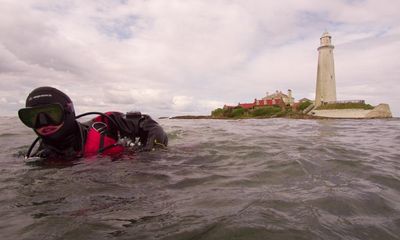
<point x="276" y="99"/>
<point x="246" y="105"/>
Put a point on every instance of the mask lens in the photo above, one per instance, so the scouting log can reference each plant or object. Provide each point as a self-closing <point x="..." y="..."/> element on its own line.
<point x="55" y="113"/>
<point x="52" y="112"/>
<point x="27" y="116"/>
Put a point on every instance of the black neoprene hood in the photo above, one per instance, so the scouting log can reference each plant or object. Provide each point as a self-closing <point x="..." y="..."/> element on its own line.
<point x="46" y="95"/>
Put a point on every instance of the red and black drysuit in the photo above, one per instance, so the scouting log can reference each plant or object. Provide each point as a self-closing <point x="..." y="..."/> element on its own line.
<point x="103" y="135"/>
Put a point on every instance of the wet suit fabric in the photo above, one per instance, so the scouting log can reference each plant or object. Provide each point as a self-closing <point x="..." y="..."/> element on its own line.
<point x="101" y="135"/>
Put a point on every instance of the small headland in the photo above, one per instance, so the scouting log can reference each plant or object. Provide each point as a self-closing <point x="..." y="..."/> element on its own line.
<point x="255" y="113"/>
<point x="305" y="110"/>
<point x="259" y="112"/>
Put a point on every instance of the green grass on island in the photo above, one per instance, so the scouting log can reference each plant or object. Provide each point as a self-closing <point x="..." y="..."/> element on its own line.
<point x="276" y="111"/>
<point x="348" y="105"/>
<point x="258" y="112"/>
<point x="304" y="105"/>
<point x="283" y="111"/>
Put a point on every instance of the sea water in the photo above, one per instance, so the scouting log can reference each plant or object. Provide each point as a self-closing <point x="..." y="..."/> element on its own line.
<point x="219" y="179"/>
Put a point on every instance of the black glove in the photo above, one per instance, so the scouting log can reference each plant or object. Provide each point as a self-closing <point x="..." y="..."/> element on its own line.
<point x="136" y="125"/>
<point x="156" y="137"/>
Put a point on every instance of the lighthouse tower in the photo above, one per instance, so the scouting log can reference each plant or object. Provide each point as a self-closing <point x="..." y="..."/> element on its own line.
<point x="326" y="83"/>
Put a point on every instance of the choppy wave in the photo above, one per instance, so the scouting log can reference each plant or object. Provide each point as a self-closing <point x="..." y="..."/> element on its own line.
<point x="219" y="179"/>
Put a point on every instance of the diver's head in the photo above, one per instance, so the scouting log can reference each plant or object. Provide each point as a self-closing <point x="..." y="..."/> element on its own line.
<point x="50" y="113"/>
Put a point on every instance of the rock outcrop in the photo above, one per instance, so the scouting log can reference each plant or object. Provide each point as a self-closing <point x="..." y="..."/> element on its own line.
<point x="380" y="111"/>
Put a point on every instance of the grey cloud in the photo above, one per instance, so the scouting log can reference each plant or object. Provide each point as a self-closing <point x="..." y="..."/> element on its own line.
<point x="144" y="54"/>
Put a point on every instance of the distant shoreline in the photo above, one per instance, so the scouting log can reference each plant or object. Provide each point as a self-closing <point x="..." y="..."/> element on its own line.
<point x="192" y="117"/>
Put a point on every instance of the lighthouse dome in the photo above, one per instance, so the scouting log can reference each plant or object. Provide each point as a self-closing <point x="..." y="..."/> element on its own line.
<point x="325" y="34"/>
<point x="325" y="39"/>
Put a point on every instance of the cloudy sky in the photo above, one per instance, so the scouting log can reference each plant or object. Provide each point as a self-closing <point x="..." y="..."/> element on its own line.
<point x="172" y="57"/>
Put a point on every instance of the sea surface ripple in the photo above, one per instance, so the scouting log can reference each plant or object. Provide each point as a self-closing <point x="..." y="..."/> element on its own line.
<point x="219" y="179"/>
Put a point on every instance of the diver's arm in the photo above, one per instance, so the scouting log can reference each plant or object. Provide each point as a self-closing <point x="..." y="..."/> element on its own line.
<point x="46" y="152"/>
<point x="156" y="137"/>
<point x="137" y="125"/>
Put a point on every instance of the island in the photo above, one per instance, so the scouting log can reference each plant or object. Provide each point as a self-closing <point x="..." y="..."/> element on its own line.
<point x="304" y="109"/>
<point x="325" y="105"/>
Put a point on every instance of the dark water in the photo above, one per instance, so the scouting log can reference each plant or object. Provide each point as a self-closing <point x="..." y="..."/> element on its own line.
<point x="247" y="179"/>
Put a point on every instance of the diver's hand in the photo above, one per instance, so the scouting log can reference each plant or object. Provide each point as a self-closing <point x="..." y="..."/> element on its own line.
<point x="157" y="138"/>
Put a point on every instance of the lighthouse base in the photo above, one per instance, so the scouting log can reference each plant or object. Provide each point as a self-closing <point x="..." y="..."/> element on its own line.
<point x="380" y="111"/>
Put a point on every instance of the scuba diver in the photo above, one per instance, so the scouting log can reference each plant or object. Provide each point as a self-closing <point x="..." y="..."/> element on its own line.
<point x="50" y="113"/>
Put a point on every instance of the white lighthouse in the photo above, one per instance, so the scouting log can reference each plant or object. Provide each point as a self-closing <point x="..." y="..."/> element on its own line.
<point x="326" y="83"/>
